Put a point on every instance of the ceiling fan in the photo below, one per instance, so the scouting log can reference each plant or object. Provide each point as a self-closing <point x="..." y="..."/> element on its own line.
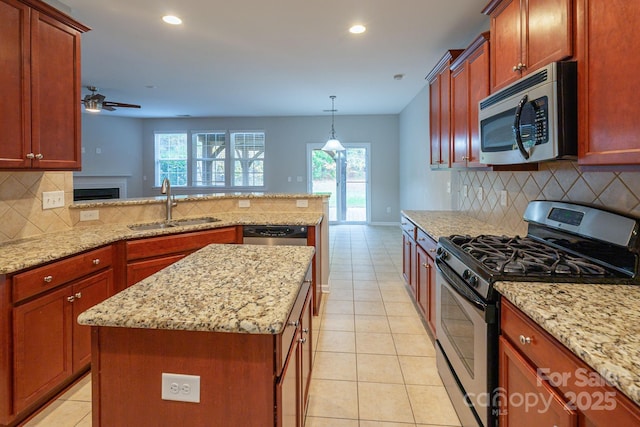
<point x="96" y="102"/>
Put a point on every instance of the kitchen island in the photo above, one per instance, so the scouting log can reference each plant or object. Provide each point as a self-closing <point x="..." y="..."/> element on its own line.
<point x="236" y="316"/>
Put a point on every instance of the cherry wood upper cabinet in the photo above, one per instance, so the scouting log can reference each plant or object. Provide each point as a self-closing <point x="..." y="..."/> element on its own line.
<point x="469" y="85"/>
<point x="40" y="84"/>
<point x="440" y="110"/>
<point x="608" y="47"/>
<point x="527" y="35"/>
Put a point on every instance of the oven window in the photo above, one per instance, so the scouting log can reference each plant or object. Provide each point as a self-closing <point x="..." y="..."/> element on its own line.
<point x="458" y="327"/>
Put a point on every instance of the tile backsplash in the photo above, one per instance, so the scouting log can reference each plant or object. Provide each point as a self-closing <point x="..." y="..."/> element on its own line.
<point x="559" y="180"/>
<point x="21" y="203"/>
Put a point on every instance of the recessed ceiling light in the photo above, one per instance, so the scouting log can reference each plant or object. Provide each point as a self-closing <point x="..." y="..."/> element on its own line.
<point x="357" y="29"/>
<point x="173" y="20"/>
<point x="398" y="76"/>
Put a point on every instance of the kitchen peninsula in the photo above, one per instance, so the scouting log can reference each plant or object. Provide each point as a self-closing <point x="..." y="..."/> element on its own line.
<point x="236" y="316"/>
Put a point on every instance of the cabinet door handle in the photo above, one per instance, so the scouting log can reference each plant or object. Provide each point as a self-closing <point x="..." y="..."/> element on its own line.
<point x="96" y="261"/>
<point x="78" y="295"/>
<point x="48" y="279"/>
<point x="71" y="298"/>
<point x="525" y="340"/>
<point x="31" y="156"/>
<point x="465" y="158"/>
<point x="296" y="323"/>
<point x="305" y="331"/>
<point x="432" y="250"/>
<point x="425" y="265"/>
<point x="302" y="340"/>
<point x="39" y="156"/>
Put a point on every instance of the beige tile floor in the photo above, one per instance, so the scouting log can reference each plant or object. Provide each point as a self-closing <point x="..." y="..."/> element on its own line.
<point x="374" y="362"/>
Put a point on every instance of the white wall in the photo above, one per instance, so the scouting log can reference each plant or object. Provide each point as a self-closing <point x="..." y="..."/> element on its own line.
<point x="420" y="187"/>
<point x="127" y="148"/>
<point x="119" y="140"/>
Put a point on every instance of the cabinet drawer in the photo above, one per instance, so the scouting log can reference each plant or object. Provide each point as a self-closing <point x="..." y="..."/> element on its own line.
<point x="49" y="276"/>
<point x="285" y="339"/>
<point x="174" y="243"/>
<point x="426" y="241"/>
<point x="409" y="227"/>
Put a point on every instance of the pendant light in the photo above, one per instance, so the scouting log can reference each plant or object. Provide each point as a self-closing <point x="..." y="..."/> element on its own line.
<point x="333" y="144"/>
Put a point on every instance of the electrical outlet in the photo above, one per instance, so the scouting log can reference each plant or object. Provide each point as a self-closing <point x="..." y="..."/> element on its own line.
<point x="465" y="191"/>
<point x="480" y="193"/>
<point x="184" y="388"/>
<point x="244" y="203"/>
<point x="504" y="198"/>
<point x="93" y="215"/>
<point x="52" y="199"/>
<point x="449" y="187"/>
<point x="302" y="203"/>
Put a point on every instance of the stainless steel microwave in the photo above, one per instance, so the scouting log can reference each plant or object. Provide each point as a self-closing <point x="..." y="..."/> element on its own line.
<point x="533" y="119"/>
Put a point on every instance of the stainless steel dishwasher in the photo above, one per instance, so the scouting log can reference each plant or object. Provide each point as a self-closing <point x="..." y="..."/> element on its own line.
<point x="295" y="235"/>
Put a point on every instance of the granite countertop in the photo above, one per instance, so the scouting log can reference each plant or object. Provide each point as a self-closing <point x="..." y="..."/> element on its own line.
<point x="598" y="323"/>
<point x="26" y="253"/>
<point x="445" y="223"/>
<point x="220" y="288"/>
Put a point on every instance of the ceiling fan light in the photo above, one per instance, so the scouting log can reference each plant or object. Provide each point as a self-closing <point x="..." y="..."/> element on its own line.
<point x="92" y="106"/>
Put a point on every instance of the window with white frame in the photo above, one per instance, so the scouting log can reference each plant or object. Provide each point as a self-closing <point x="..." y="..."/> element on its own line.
<point x="210" y="158"/>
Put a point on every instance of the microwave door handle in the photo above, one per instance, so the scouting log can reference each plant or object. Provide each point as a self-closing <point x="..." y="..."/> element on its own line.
<point x="516" y="127"/>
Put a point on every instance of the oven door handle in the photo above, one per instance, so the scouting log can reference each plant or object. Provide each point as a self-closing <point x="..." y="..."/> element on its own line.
<point x="459" y="286"/>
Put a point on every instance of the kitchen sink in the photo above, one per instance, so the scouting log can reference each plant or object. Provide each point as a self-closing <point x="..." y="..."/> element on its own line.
<point x="173" y="223"/>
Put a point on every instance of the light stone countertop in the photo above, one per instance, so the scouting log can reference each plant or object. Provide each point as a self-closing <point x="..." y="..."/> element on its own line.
<point x="26" y="253"/>
<point x="220" y="288"/>
<point x="445" y="223"/>
<point x="598" y="323"/>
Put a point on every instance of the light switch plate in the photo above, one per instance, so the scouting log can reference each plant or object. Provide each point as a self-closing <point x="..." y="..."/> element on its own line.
<point x="244" y="203"/>
<point x="504" y="198"/>
<point x="92" y="215"/>
<point x="302" y="203"/>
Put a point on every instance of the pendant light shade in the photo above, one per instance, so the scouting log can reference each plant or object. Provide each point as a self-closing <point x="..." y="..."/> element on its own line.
<point x="333" y="144"/>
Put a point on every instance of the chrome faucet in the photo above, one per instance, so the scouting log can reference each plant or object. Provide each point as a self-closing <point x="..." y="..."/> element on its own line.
<point x="166" y="189"/>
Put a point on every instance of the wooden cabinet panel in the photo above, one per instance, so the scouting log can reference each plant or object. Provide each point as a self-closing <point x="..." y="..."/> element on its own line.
<point x="607" y="57"/>
<point x="597" y="403"/>
<point x="15" y="118"/>
<point x="55" y="93"/>
<point x="306" y="351"/>
<point x="527" y="35"/>
<point x="42" y="346"/>
<point x="440" y="110"/>
<point x="288" y="392"/>
<point x="426" y="278"/>
<point x="178" y="243"/>
<point x="469" y="85"/>
<point x="138" y="270"/>
<point x="38" y="280"/>
<point x="86" y="294"/>
<point x="408" y="261"/>
<point x="40" y="115"/>
<point x="518" y="378"/>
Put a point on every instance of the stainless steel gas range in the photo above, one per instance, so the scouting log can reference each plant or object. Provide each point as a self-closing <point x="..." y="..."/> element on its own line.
<point x="565" y="242"/>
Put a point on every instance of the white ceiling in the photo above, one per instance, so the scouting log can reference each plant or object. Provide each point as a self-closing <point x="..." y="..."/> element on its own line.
<point x="267" y="57"/>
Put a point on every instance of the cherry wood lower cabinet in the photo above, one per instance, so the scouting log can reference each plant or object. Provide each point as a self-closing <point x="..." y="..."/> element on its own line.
<point x="426" y="278"/>
<point x="245" y="379"/>
<point x="542" y="383"/>
<point x="150" y="255"/>
<point x="43" y="349"/>
<point x="418" y="269"/>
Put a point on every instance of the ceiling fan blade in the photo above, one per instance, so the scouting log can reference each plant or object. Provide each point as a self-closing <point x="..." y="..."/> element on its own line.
<point x="119" y="104"/>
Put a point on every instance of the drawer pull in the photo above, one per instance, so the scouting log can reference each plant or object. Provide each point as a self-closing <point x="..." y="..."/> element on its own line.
<point x="425" y="265"/>
<point x="39" y="156"/>
<point x="302" y="340"/>
<point x="305" y="331"/>
<point x="295" y="324"/>
<point x="525" y="340"/>
<point x="71" y="298"/>
<point x="78" y="295"/>
<point x="96" y="261"/>
<point x="48" y="279"/>
<point x="432" y="250"/>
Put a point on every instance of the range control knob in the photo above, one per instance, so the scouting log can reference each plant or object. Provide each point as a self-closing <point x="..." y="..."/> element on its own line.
<point x="442" y="254"/>
<point x="470" y="278"/>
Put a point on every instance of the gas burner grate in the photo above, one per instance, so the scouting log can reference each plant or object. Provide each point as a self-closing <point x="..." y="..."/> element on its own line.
<point x="525" y="256"/>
